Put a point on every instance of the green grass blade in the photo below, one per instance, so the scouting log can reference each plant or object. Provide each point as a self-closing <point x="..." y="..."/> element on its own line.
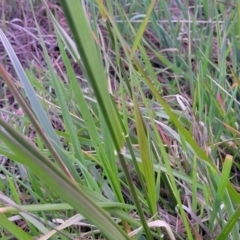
<point x="30" y="93"/>
<point x="221" y="188"/>
<point x="13" y="229"/>
<point x="52" y="142"/>
<point x="142" y="28"/>
<point x="147" y="168"/>
<point x="229" y="226"/>
<point x="93" y="66"/>
<point x="55" y="179"/>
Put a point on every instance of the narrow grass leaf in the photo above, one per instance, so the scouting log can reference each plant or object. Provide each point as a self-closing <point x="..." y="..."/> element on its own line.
<point x="13" y="229"/>
<point x="145" y="155"/>
<point x="142" y="29"/>
<point x="229" y="226"/>
<point x="105" y="160"/>
<point x="52" y="141"/>
<point x="174" y="119"/>
<point x="94" y="67"/>
<point x="31" y="94"/>
<point x="70" y="128"/>
<point x="221" y="188"/>
<point x="57" y="181"/>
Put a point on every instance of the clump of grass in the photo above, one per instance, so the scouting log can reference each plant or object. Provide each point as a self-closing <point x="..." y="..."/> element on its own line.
<point x="127" y="127"/>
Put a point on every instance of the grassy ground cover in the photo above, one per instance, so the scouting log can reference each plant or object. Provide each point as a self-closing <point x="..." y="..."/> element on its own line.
<point x="119" y="119"/>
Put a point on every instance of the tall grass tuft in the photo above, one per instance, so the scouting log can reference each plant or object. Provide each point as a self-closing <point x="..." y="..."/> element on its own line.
<point x="130" y="131"/>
